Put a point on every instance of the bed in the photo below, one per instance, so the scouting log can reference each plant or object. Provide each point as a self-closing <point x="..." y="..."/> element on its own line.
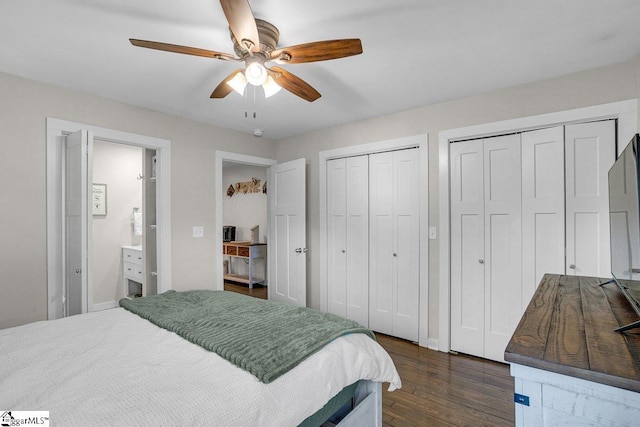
<point x="117" y="367"/>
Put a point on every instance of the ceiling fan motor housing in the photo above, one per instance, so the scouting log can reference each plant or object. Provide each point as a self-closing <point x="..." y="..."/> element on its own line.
<point x="269" y="36"/>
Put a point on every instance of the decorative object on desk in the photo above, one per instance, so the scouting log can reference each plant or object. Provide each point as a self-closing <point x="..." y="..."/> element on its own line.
<point x="99" y="199"/>
<point x="255" y="234"/>
<point x="230" y="191"/>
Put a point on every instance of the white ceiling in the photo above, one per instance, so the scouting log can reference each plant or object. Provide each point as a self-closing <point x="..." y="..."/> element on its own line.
<point x="416" y="52"/>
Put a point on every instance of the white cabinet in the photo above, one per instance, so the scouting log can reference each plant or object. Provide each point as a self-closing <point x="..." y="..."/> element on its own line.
<point x="373" y="241"/>
<point x="516" y="202"/>
<point x="133" y="271"/>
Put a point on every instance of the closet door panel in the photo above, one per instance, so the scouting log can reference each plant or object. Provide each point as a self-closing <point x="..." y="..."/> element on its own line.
<point x="542" y="207"/>
<point x="381" y="243"/>
<point x="503" y="242"/>
<point x="407" y="244"/>
<point x="467" y="246"/>
<point x="589" y="153"/>
<point x="357" y="236"/>
<point x="336" y="238"/>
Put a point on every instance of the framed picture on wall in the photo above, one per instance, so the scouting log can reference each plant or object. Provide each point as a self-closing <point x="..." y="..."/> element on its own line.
<point x="99" y="199"/>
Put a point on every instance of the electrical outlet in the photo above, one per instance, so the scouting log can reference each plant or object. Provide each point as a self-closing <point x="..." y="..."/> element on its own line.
<point x="198" y="231"/>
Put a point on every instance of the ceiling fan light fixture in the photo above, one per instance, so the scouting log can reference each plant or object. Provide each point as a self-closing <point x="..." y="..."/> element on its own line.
<point x="238" y="83"/>
<point x="256" y="74"/>
<point x="270" y="87"/>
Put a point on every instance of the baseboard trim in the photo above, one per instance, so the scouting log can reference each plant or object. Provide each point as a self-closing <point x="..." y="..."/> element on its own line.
<point x="433" y="344"/>
<point x="104" y="306"/>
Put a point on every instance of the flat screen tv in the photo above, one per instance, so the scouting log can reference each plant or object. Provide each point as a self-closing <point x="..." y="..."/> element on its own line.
<point x="624" y="220"/>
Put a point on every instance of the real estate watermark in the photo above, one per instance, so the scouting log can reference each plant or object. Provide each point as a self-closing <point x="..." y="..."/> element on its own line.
<point x="24" y="418"/>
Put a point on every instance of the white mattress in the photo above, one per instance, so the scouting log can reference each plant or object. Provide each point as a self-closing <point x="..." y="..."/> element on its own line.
<point x="114" y="368"/>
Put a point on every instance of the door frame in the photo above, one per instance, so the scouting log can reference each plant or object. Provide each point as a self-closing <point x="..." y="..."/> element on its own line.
<point x="220" y="158"/>
<point x="626" y="112"/>
<point x="420" y="141"/>
<point x="56" y="131"/>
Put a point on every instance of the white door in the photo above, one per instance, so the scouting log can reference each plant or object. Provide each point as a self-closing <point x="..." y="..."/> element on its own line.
<point x="502" y="242"/>
<point x="394" y="243"/>
<point x="486" y="240"/>
<point x="348" y="238"/>
<point x="542" y="207"/>
<point x="287" y="233"/>
<point x="77" y="231"/>
<point x="590" y="152"/>
<point x="467" y="246"/>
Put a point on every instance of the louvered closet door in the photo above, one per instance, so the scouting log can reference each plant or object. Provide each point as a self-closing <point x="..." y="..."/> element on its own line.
<point x="394" y="243"/>
<point x="590" y="152"/>
<point x="542" y="207"/>
<point x="348" y="238"/>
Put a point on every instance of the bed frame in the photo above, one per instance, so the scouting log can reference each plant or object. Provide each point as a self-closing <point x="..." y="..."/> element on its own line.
<point x="367" y="410"/>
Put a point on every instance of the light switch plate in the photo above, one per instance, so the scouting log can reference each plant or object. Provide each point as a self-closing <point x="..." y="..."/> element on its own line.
<point x="198" y="231"/>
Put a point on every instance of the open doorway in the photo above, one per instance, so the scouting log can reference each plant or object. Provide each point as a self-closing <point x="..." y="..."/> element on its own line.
<point x="153" y="152"/>
<point x="238" y="167"/>
<point x="244" y="219"/>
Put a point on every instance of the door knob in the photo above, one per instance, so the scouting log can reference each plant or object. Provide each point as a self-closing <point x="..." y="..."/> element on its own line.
<point x="343" y="251"/>
<point x="395" y="254"/>
<point x="481" y="261"/>
<point x="78" y="270"/>
<point x="572" y="266"/>
<point x="301" y="250"/>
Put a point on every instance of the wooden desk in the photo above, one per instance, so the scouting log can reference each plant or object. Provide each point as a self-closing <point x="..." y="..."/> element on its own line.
<point x="249" y="251"/>
<point x="567" y="359"/>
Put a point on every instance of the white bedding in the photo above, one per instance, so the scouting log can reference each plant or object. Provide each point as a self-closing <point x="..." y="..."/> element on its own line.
<point x="114" y="368"/>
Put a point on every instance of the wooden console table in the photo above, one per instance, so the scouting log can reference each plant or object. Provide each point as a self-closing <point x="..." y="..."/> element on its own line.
<point x="249" y="251"/>
<point x="569" y="365"/>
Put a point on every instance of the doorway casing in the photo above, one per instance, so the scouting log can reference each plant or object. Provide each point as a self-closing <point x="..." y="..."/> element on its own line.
<point x="55" y="137"/>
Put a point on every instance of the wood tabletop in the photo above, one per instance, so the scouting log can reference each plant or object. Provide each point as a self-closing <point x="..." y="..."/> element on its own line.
<point x="568" y="328"/>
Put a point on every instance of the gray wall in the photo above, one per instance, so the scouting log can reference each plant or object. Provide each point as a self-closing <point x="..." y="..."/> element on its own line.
<point x="24" y="106"/>
<point x="598" y="86"/>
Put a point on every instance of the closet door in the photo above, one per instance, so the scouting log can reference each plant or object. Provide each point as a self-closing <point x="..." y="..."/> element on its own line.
<point x="542" y="207"/>
<point x="348" y="238"/>
<point x="467" y="246"/>
<point x="394" y="243"/>
<point x="590" y="152"/>
<point x="486" y="244"/>
<point x="502" y="242"/>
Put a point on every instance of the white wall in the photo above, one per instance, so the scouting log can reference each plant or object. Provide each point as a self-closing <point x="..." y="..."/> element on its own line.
<point x="24" y="107"/>
<point x="598" y="86"/>
<point x="117" y="166"/>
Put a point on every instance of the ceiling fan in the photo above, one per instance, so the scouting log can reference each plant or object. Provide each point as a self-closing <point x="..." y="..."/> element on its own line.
<point x="255" y="43"/>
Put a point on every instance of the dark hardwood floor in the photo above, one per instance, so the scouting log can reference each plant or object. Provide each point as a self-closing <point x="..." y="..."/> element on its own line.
<point x="438" y="389"/>
<point x="441" y="389"/>
<point x="258" y="291"/>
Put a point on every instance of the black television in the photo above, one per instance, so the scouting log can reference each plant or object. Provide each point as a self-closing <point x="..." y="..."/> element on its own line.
<point x="624" y="223"/>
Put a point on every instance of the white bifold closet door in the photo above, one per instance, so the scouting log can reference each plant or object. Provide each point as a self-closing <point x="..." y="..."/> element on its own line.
<point x="348" y="238"/>
<point x="486" y="244"/>
<point x="394" y="269"/>
<point x="523" y="205"/>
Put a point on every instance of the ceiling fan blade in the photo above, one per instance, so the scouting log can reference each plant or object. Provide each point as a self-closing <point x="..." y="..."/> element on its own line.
<point x="223" y="89"/>
<point x="183" y="49"/>
<point x="242" y="23"/>
<point x="294" y="84"/>
<point x="317" y="51"/>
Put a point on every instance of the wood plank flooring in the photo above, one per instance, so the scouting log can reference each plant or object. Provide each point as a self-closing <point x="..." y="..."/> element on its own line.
<point x="438" y="389"/>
